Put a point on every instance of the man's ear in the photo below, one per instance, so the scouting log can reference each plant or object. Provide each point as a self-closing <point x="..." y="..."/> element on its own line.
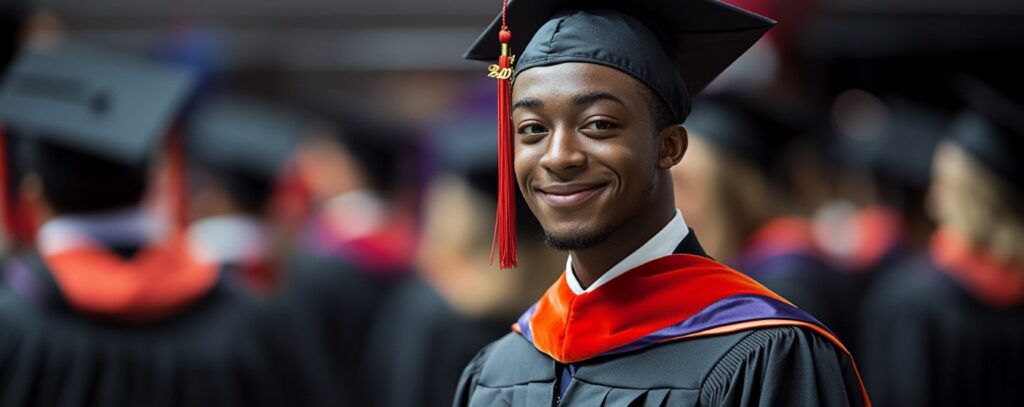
<point x="672" y="143"/>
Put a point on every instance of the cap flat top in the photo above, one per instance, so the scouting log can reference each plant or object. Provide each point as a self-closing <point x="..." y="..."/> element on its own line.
<point x="701" y="37"/>
<point x="244" y="134"/>
<point x="99" y="102"/>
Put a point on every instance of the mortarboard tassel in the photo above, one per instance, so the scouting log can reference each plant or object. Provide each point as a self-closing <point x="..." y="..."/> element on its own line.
<point x="505" y="224"/>
<point x="17" y="221"/>
<point x="177" y="180"/>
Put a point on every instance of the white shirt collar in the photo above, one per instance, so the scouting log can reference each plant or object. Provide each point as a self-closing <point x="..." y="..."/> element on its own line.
<point x="117" y="227"/>
<point x="662" y="244"/>
<point x="229" y="238"/>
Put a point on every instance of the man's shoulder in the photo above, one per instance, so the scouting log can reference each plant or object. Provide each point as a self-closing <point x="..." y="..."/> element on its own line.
<point x="512" y="360"/>
<point x="689" y="363"/>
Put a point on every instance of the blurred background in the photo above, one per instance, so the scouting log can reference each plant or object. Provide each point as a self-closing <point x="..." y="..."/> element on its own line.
<point x="336" y="158"/>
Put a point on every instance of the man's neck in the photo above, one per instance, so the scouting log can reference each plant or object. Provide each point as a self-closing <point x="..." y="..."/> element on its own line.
<point x="591" y="263"/>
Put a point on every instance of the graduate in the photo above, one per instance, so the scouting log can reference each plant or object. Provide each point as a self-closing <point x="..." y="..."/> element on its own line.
<point x="641" y="315"/>
<point x="735" y="183"/>
<point x="947" y="329"/>
<point x="239" y="148"/>
<point x="353" y="162"/>
<point x="355" y="244"/>
<point x="110" y="306"/>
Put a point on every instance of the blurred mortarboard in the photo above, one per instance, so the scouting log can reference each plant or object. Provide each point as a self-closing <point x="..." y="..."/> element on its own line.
<point x="745" y="127"/>
<point x="893" y="139"/>
<point x="379" y="144"/>
<point x="675" y="47"/>
<point x="992" y="129"/>
<point x="101" y="103"/>
<point x="243" y="135"/>
<point x="458" y="148"/>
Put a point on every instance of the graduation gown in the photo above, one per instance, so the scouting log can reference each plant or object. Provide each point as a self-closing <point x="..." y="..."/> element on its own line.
<point x="80" y="338"/>
<point x="941" y="330"/>
<point x="420" y="344"/>
<point x="334" y="305"/>
<point x="679" y="330"/>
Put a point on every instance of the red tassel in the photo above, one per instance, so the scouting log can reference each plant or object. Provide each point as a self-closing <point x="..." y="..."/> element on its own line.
<point x="505" y="224"/>
<point x="9" y="212"/>
<point x="17" y="220"/>
<point x="178" y="188"/>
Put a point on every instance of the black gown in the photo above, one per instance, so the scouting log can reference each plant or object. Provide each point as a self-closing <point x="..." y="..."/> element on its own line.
<point x="796" y="271"/>
<point x="777" y="366"/>
<point x="420" y="344"/>
<point x="928" y="342"/>
<point x="225" y="349"/>
<point x="334" y="305"/>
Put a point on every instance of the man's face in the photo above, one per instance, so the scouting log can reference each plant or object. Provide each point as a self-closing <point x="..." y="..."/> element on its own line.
<point x="585" y="150"/>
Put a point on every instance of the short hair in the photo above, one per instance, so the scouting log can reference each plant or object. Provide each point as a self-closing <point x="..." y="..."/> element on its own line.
<point x="661" y="115"/>
<point x="252" y="194"/>
<point x="76" y="182"/>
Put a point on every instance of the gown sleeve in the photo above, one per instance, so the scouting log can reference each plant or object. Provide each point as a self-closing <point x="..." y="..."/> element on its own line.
<point x="469" y="379"/>
<point x="785" y="366"/>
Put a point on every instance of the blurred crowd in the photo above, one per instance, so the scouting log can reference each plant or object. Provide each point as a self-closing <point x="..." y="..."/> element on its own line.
<point x="276" y="240"/>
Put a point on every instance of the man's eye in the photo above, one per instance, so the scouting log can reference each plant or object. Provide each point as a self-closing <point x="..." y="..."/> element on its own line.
<point x="600" y="125"/>
<point x="532" y="129"/>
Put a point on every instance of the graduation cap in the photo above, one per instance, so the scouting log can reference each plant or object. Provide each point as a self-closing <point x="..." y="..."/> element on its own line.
<point x="95" y="111"/>
<point x="893" y="138"/>
<point x="992" y="129"/>
<point x="458" y="149"/>
<point x="245" y="143"/>
<point x="745" y="127"/>
<point x="675" y="47"/>
<point x="243" y="135"/>
<point x="380" y="145"/>
<point x="97" y="102"/>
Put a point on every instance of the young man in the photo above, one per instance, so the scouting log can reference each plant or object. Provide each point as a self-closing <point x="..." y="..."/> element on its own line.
<point x="641" y="316"/>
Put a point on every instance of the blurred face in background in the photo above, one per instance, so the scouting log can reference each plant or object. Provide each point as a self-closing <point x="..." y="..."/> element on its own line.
<point x="586" y="151"/>
<point x="722" y="198"/>
<point x="326" y="168"/>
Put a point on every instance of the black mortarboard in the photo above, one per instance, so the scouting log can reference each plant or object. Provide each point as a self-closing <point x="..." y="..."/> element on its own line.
<point x="750" y="130"/>
<point x="675" y="47"/>
<point x="892" y="139"/>
<point x="380" y="144"/>
<point x="238" y="134"/>
<point x="243" y="143"/>
<point x="100" y="103"/>
<point x="992" y="129"/>
<point x="459" y="150"/>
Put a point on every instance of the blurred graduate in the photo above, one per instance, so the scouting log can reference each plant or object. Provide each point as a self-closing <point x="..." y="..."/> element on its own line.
<point x="110" y="305"/>
<point x="435" y="321"/>
<point x="641" y="314"/>
<point x="238" y="148"/>
<point x="736" y="182"/>
<point x="947" y="328"/>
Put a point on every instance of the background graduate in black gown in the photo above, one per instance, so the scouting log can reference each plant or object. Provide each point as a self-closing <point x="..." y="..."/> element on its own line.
<point x="947" y="328"/>
<point x="239" y="148"/>
<point x="437" y="319"/>
<point x="736" y="185"/>
<point x="110" y="306"/>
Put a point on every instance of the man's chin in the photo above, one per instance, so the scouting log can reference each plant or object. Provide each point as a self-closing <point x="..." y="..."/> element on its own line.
<point x="573" y="241"/>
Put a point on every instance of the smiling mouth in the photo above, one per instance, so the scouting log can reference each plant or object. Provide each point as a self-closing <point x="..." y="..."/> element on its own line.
<point x="569" y="196"/>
